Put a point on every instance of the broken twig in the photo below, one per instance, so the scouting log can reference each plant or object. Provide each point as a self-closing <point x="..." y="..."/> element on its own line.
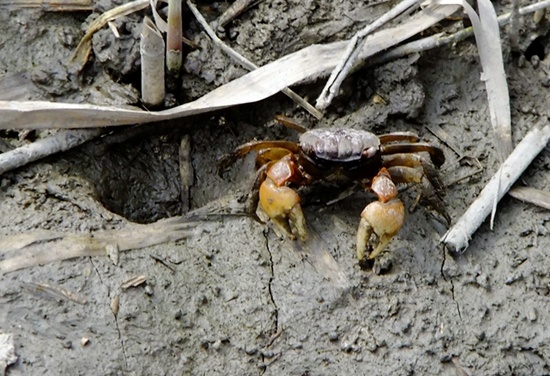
<point x="60" y="141"/>
<point x="235" y="9"/>
<point x="456" y="239"/>
<point x="351" y="55"/>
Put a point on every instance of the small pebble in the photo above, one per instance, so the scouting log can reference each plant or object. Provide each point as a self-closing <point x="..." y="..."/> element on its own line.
<point x="532" y="315"/>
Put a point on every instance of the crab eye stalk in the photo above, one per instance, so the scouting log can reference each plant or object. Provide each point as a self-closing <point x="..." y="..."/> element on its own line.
<point x="370" y="152"/>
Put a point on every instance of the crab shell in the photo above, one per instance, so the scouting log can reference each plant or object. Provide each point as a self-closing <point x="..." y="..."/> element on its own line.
<point x="341" y="145"/>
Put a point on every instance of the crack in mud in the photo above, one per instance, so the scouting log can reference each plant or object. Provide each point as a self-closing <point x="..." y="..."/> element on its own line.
<point x="269" y="286"/>
<point x="277" y="332"/>
<point x="114" y="316"/>
<point x="451" y="282"/>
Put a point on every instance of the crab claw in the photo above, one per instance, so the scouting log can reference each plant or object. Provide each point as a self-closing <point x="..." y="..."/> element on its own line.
<point x="282" y="205"/>
<point x="384" y="220"/>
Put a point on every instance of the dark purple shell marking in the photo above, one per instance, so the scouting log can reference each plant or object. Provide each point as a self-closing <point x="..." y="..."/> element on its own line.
<point x="338" y="145"/>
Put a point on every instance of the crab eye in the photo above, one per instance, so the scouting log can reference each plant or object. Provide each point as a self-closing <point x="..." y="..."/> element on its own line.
<point x="370" y="152"/>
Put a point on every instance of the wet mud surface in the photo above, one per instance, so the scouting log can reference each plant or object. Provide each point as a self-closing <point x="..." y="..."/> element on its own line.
<point x="237" y="299"/>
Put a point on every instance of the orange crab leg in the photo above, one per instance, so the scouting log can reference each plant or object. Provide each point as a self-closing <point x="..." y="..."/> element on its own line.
<point x="280" y="202"/>
<point x="383" y="218"/>
<point x="398" y="137"/>
<point x="282" y="205"/>
<point x="243" y="150"/>
<point x="438" y="158"/>
<point x="269" y="155"/>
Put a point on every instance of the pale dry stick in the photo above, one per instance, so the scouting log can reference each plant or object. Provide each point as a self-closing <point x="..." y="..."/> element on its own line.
<point x="133" y="282"/>
<point x="55" y="291"/>
<point x="163" y="25"/>
<point x="60" y="141"/>
<point x="49" y="5"/>
<point x="513" y="31"/>
<point x="442" y="39"/>
<point x="351" y="55"/>
<point x="151" y="48"/>
<point x="456" y="239"/>
<point x="232" y="12"/>
<point x="80" y="56"/>
<point x="7" y="352"/>
<point x="187" y="174"/>
<point x="244" y="62"/>
<point x="114" y="29"/>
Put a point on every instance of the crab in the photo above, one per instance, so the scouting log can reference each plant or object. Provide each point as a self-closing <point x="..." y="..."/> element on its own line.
<point x="378" y="163"/>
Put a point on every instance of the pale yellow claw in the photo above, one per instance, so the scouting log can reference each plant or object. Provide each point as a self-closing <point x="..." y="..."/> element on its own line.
<point x="282" y="205"/>
<point x="384" y="220"/>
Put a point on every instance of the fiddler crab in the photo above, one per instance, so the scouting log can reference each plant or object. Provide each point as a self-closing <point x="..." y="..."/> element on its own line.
<point x="378" y="163"/>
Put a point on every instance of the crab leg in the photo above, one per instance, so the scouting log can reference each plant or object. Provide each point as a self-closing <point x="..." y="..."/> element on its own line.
<point x="436" y="154"/>
<point x="414" y="168"/>
<point x="398" y="137"/>
<point x="383" y="218"/>
<point x="243" y="150"/>
<point x="280" y="202"/>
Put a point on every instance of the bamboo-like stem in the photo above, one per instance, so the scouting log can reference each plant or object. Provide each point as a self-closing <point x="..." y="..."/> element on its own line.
<point x="151" y="48"/>
<point x="173" y="38"/>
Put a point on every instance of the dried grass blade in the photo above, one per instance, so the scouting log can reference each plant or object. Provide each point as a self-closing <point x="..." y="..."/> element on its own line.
<point x="493" y="69"/>
<point x="68" y="246"/>
<point x="487" y="34"/>
<point x="531" y="195"/>
<point x="80" y="56"/>
<point x="54" y="291"/>
<point x="245" y="63"/>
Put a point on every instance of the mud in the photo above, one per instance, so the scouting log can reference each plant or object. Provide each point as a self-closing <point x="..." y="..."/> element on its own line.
<point x="237" y="299"/>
